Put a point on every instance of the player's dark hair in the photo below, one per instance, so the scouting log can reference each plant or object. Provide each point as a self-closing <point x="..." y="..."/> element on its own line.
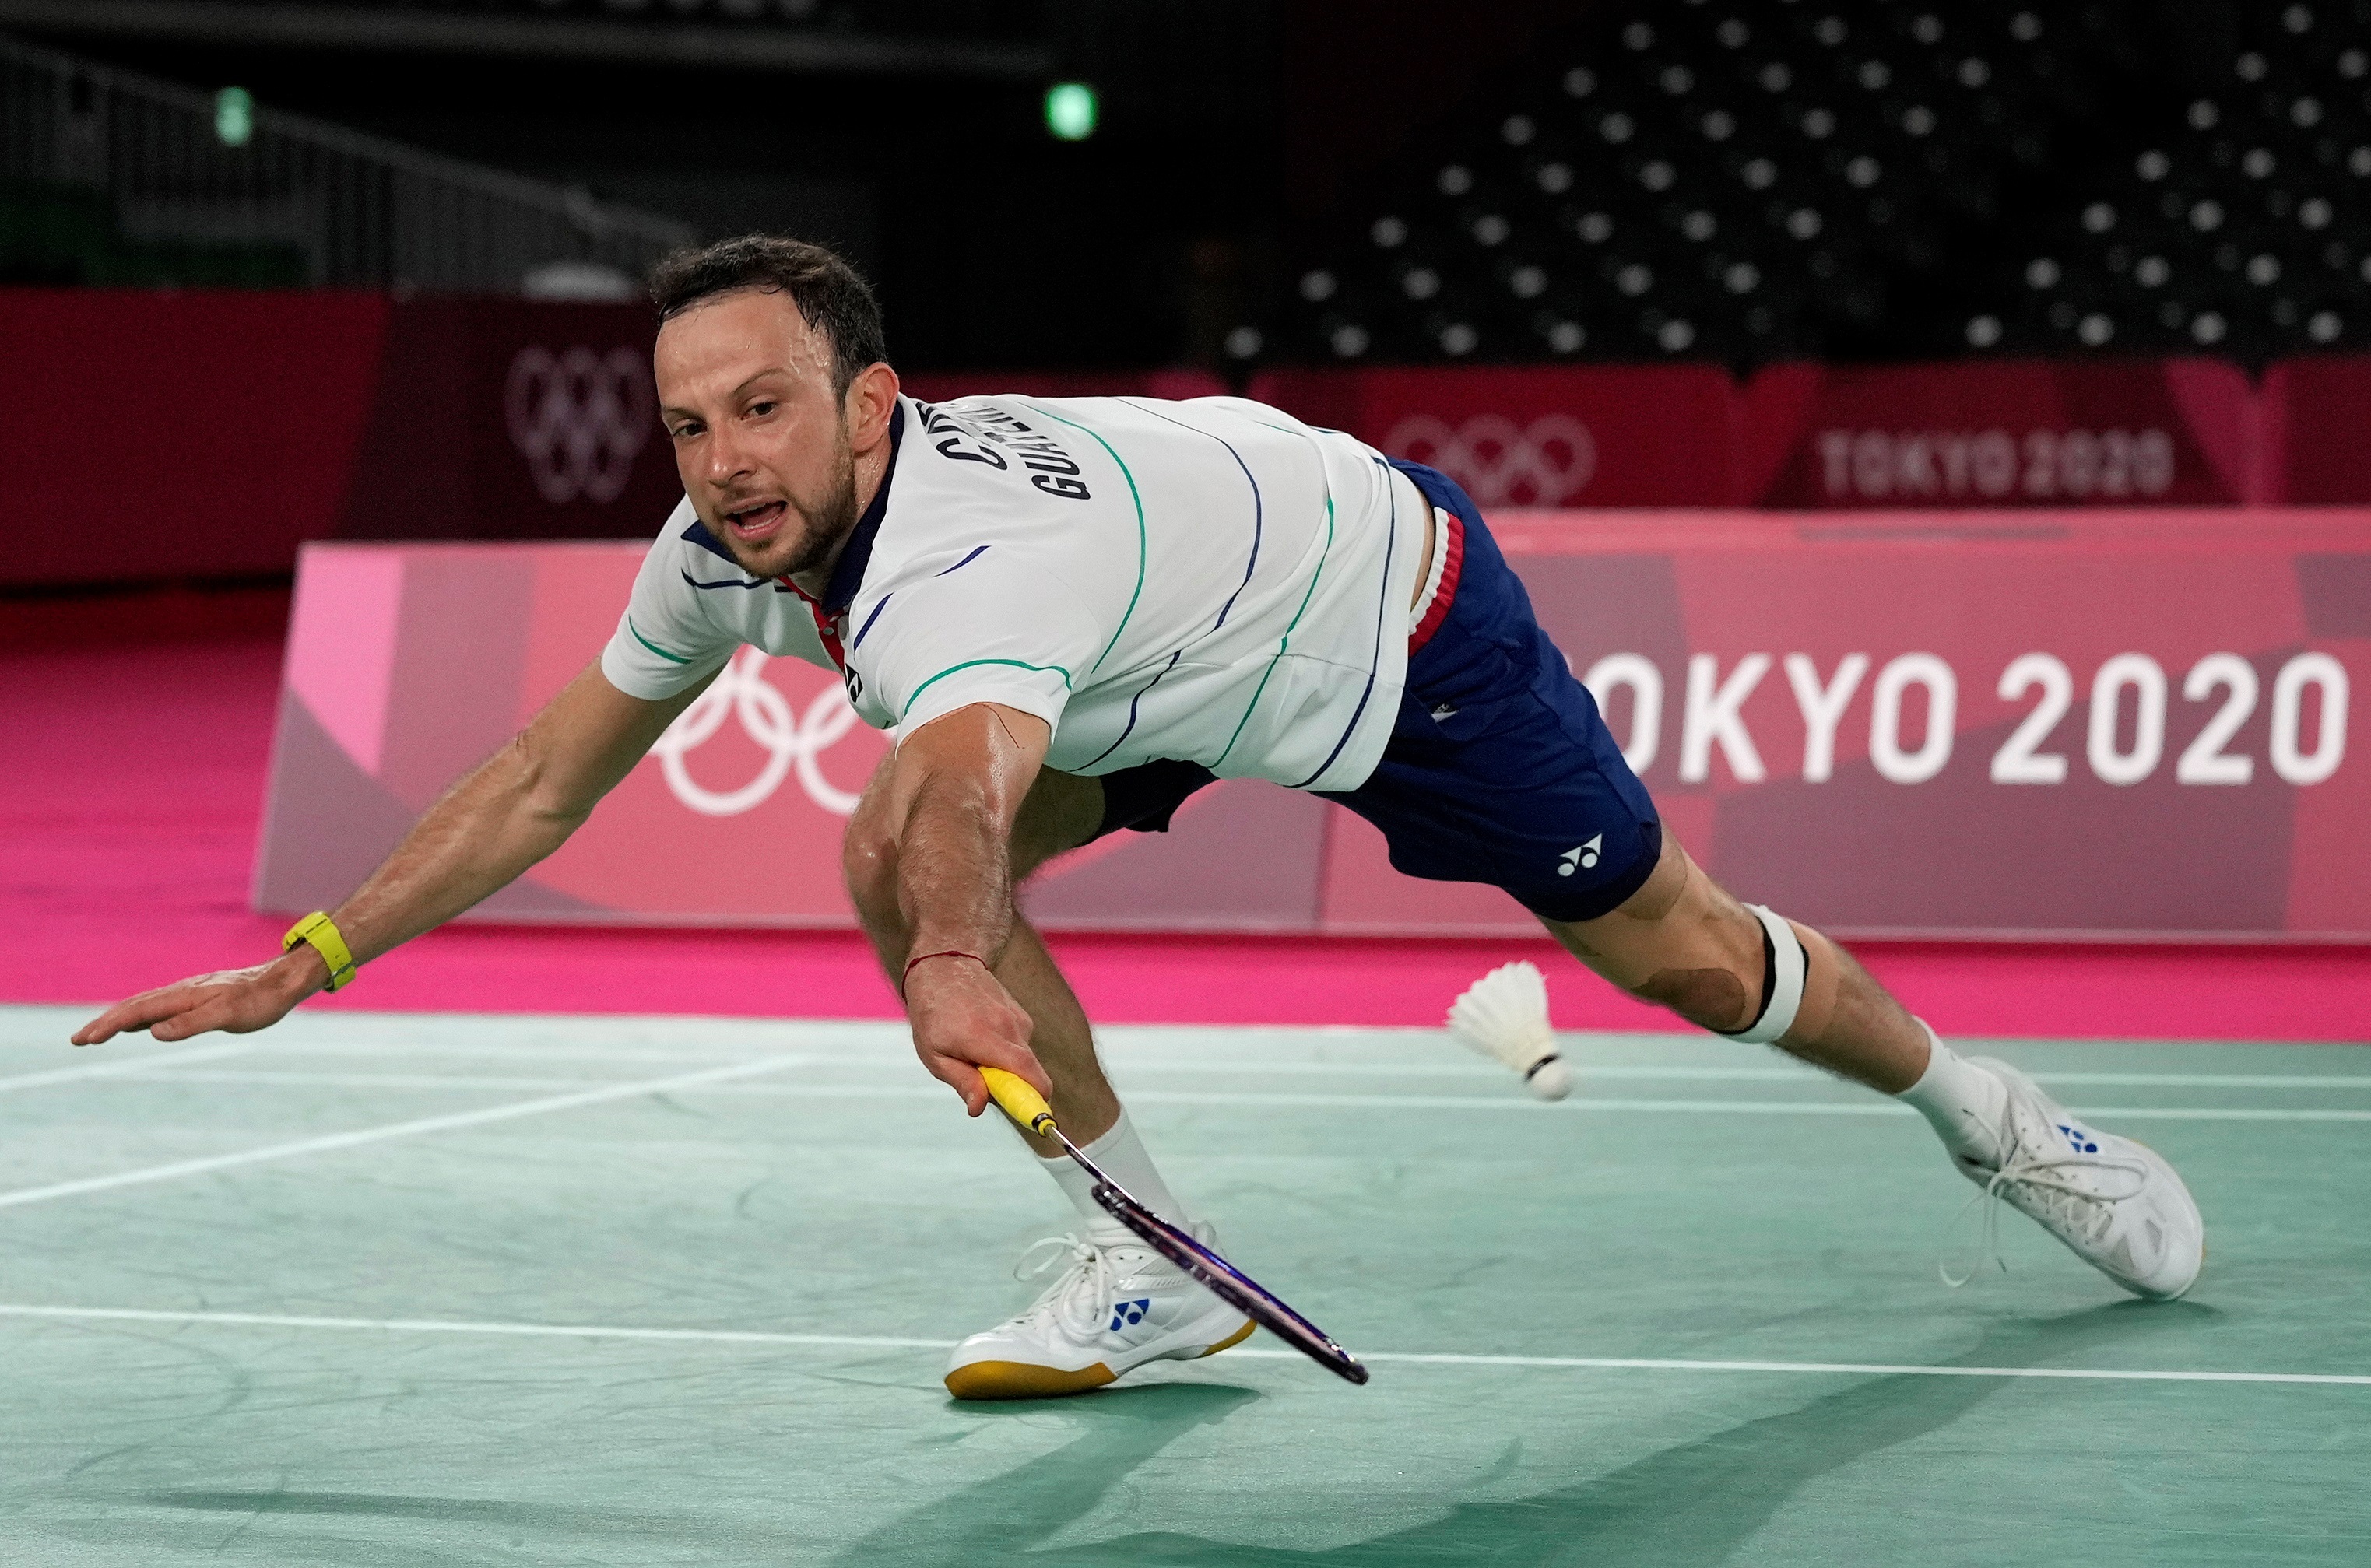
<point x="828" y="291"/>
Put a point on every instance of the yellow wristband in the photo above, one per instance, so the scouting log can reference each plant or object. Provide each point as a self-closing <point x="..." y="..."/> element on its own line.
<point x="322" y="932"/>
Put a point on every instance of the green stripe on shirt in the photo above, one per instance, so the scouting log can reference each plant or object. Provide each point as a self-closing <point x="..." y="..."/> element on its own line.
<point x="970" y="663"/>
<point x="1140" y="545"/>
<point x="671" y="658"/>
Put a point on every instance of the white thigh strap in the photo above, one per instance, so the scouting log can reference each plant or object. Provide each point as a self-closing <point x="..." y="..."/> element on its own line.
<point x="1789" y="963"/>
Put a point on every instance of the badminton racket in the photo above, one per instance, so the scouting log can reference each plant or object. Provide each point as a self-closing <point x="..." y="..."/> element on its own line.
<point x="1221" y="1278"/>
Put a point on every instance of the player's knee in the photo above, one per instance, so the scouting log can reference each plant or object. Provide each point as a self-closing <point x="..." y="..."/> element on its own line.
<point x="1783" y="999"/>
<point x="1061" y="813"/>
<point x="1717" y="1000"/>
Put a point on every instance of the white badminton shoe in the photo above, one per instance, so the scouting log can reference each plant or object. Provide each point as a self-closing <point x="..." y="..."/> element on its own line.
<point x="2116" y="1203"/>
<point x="1115" y="1305"/>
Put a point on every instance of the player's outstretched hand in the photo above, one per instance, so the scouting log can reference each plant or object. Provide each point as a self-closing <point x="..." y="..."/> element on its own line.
<point x="964" y="1019"/>
<point x="238" y="1001"/>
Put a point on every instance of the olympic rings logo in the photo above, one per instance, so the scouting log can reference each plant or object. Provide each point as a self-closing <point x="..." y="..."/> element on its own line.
<point x="578" y="419"/>
<point x="1499" y="462"/>
<point x="789" y="742"/>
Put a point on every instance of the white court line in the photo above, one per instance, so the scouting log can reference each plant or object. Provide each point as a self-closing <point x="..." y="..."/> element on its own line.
<point x="1126" y="1057"/>
<point x="1856" y="1369"/>
<point x="1583" y="1068"/>
<point x="1526" y="1105"/>
<point x="452" y="1326"/>
<point x="362" y="1136"/>
<point x="125" y="1065"/>
<point x="1872" y="1107"/>
<point x="266" y="1076"/>
<point x="2212" y="1080"/>
<point x="1408" y="1358"/>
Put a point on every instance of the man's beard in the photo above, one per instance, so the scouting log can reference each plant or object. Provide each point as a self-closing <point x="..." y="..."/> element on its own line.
<point x="823" y="530"/>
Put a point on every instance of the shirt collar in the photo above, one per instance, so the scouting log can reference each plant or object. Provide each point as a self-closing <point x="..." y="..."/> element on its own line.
<point x="698" y="535"/>
<point x="847" y="576"/>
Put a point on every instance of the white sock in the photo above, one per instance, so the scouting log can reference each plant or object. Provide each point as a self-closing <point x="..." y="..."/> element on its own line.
<point x="1123" y="1158"/>
<point x="1961" y="1102"/>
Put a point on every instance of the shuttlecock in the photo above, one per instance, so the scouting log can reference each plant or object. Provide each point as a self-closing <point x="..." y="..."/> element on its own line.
<point x="1504" y="1015"/>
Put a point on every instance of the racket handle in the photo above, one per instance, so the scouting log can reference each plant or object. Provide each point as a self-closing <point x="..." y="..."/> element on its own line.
<point x="1020" y="1101"/>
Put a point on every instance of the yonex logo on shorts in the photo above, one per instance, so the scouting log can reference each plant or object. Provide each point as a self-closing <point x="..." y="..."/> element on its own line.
<point x="1583" y="855"/>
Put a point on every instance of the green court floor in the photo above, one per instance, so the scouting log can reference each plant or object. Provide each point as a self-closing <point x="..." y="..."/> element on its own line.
<point x="377" y="1289"/>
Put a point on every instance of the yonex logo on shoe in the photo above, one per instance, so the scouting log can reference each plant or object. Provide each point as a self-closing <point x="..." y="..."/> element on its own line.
<point x="1125" y="1313"/>
<point x="2079" y="1138"/>
<point x="1586" y="855"/>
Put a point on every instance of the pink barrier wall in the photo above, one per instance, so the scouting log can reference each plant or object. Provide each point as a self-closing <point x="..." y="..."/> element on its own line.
<point x="2316" y="412"/>
<point x="1563" y="435"/>
<point x="162" y="435"/>
<point x="2054" y="723"/>
<point x="2000" y="432"/>
<point x="1978" y="432"/>
<point x="153" y="436"/>
<point x="150" y="436"/>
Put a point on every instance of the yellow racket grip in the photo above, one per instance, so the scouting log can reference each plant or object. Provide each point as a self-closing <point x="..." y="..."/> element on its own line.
<point x="1020" y="1101"/>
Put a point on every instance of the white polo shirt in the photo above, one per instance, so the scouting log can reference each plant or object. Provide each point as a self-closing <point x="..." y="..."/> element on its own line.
<point x="1208" y="581"/>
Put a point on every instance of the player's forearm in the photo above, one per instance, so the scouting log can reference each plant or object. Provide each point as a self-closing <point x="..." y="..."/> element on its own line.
<point x="954" y="880"/>
<point x="487" y="831"/>
<point x="511" y="812"/>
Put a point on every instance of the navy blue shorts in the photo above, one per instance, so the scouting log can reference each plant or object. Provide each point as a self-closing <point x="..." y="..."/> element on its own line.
<point x="1498" y="770"/>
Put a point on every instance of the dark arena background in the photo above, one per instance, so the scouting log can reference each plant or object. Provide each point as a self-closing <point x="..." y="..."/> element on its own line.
<point x="1938" y="433"/>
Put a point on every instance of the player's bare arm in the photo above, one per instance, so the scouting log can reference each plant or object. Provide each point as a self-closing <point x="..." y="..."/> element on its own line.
<point x="949" y="801"/>
<point x="515" y="808"/>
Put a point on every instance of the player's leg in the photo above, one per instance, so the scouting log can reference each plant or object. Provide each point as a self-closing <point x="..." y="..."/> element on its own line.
<point x="1112" y="1304"/>
<point x="1682" y="942"/>
<point x="1501" y="770"/>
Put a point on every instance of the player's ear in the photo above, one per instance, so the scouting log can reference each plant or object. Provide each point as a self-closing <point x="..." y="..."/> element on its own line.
<point x="871" y="395"/>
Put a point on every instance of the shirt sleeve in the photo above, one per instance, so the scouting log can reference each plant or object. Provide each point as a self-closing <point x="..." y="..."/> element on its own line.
<point x="993" y="629"/>
<point x="664" y="643"/>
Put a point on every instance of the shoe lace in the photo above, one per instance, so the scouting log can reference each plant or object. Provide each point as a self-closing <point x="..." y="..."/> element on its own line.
<point x="2079" y="1207"/>
<point x="1076" y="1298"/>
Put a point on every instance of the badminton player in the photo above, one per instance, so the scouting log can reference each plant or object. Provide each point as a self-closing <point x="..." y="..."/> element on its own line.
<point x="1075" y="613"/>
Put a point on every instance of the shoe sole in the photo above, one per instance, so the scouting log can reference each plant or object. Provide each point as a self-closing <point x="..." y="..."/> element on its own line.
<point x="1020" y="1380"/>
<point x="2166" y="1165"/>
<point x="1026" y="1380"/>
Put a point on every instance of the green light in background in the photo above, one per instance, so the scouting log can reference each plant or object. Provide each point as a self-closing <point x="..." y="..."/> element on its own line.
<point x="1071" y="110"/>
<point x="235" y="116"/>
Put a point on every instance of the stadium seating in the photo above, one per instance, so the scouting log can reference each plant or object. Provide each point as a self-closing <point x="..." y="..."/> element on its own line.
<point x="1863" y="179"/>
<point x="2239" y="228"/>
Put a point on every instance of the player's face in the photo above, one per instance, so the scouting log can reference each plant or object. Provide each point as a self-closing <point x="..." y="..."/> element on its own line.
<point x="760" y="442"/>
